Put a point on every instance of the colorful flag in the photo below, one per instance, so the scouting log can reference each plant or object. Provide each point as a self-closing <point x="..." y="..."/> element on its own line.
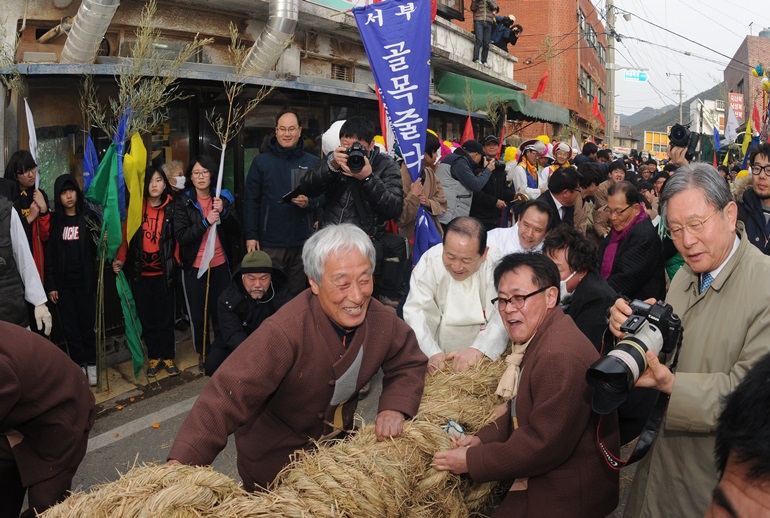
<point x="133" y="327"/>
<point x="746" y="140"/>
<point x="104" y="191"/>
<point x="134" y="166"/>
<point x="90" y="163"/>
<point x="731" y="125"/>
<point x="32" y="141"/>
<point x="597" y="112"/>
<point x="467" y="132"/>
<point x="397" y="38"/>
<point x="211" y="241"/>
<point x="716" y="144"/>
<point x="540" y="86"/>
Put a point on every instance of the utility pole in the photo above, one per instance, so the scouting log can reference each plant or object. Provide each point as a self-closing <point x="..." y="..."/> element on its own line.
<point x="610" y="130"/>
<point x="680" y="92"/>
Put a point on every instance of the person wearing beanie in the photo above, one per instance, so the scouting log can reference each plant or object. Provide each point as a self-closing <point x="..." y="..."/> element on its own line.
<point x="256" y="291"/>
<point x="526" y="176"/>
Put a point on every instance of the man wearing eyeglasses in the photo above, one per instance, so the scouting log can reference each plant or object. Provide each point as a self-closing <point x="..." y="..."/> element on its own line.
<point x="545" y="441"/>
<point x="722" y="296"/>
<point x="271" y="224"/>
<point x="754" y="210"/>
<point x="449" y="303"/>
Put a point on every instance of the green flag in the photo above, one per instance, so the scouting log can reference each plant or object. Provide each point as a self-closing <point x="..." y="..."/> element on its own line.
<point x="104" y="191"/>
<point x="132" y="324"/>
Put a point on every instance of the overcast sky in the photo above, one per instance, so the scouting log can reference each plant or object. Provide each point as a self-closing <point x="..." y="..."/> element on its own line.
<point x="719" y="25"/>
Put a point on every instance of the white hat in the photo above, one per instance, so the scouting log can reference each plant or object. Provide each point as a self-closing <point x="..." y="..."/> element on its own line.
<point x="548" y="153"/>
<point x="512" y="17"/>
<point x="331" y="138"/>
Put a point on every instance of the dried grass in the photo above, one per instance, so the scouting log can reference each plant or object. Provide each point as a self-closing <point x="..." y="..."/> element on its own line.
<point x="357" y="476"/>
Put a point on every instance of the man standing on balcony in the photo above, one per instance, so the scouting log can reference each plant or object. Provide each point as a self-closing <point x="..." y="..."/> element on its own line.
<point x="483" y="21"/>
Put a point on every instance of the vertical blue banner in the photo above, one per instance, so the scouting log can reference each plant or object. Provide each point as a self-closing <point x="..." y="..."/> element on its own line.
<point x="396" y="35"/>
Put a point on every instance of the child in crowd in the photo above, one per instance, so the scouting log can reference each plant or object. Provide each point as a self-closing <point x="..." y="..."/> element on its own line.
<point x="69" y="273"/>
<point x="150" y="262"/>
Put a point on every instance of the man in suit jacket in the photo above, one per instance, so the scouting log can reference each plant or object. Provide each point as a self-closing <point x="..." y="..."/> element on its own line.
<point x="562" y="193"/>
<point x="547" y="441"/>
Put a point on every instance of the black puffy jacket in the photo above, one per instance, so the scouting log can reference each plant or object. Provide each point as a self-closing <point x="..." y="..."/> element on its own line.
<point x="168" y="261"/>
<point x="750" y="212"/>
<point x="239" y="314"/>
<point x="380" y="196"/>
<point x="190" y="226"/>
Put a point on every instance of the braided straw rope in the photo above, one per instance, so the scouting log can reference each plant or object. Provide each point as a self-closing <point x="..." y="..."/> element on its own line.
<point x="356" y="477"/>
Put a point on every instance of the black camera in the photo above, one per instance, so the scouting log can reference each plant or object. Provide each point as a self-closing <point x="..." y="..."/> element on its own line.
<point x="681" y="136"/>
<point x="653" y="327"/>
<point x="356" y="154"/>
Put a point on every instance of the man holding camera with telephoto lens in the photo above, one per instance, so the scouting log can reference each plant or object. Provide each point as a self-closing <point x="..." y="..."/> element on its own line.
<point x="722" y="296"/>
<point x="362" y="185"/>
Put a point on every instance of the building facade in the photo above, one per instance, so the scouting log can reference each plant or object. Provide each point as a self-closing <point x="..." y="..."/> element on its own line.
<point x="753" y="51"/>
<point x="568" y="40"/>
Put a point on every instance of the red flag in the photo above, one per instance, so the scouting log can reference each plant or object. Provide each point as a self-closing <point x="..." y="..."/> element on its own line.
<point x="715" y="159"/>
<point x="756" y="122"/>
<point x="467" y="132"/>
<point x="595" y="111"/>
<point x="433" y="8"/>
<point x="502" y="139"/>
<point x="540" y="86"/>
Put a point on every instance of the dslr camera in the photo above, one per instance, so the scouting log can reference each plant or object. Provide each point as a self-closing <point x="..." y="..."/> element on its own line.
<point x="356" y="154"/>
<point x="653" y="327"/>
<point x="681" y="136"/>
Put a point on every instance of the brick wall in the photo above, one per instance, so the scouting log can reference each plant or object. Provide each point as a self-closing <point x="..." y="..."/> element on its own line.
<point x="551" y="41"/>
<point x="753" y="51"/>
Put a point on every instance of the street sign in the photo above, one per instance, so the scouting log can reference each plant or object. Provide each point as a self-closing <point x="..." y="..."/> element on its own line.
<point x="635" y="75"/>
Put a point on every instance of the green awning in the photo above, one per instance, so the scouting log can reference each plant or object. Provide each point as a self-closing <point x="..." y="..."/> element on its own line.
<point x="452" y="88"/>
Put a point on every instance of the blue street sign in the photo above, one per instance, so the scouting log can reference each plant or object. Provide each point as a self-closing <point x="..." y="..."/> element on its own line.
<point x="635" y="75"/>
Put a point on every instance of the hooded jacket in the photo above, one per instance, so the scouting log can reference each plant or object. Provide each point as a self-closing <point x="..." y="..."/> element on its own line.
<point x="266" y="217"/>
<point x="132" y="256"/>
<point x="380" y="196"/>
<point x="240" y="315"/>
<point x="54" y="258"/>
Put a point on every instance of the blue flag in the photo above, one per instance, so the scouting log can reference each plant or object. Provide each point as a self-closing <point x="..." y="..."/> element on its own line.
<point x="716" y="139"/>
<point x="90" y="164"/>
<point x="120" y="150"/>
<point x="396" y="36"/>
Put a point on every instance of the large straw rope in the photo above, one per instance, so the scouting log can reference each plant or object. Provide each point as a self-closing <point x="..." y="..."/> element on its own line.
<point x="357" y="477"/>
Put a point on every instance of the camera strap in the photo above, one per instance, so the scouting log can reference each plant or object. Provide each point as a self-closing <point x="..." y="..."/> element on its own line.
<point x="649" y="432"/>
<point x="643" y="442"/>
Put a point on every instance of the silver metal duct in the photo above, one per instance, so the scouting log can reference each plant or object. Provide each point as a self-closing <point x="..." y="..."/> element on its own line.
<point x="274" y="37"/>
<point x="91" y="23"/>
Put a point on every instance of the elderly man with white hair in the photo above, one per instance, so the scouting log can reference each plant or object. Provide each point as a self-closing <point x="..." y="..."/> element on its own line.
<point x="296" y="379"/>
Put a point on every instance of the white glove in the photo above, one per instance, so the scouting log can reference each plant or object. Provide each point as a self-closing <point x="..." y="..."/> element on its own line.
<point x="43" y="318"/>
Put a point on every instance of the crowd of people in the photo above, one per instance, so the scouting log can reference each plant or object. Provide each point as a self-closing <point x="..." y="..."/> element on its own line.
<point x="541" y="255"/>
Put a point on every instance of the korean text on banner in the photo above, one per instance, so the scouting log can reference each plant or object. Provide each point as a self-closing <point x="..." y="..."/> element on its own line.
<point x="396" y="36"/>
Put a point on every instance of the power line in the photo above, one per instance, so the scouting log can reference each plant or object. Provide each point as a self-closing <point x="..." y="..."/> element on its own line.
<point x="684" y="37"/>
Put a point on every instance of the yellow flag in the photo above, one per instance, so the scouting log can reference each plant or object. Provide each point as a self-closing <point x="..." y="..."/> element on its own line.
<point x="134" y="165"/>
<point x="746" y="137"/>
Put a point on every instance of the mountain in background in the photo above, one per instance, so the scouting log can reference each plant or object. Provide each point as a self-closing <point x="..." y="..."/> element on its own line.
<point x="662" y="121"/>
<point x="642" y="115"/>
